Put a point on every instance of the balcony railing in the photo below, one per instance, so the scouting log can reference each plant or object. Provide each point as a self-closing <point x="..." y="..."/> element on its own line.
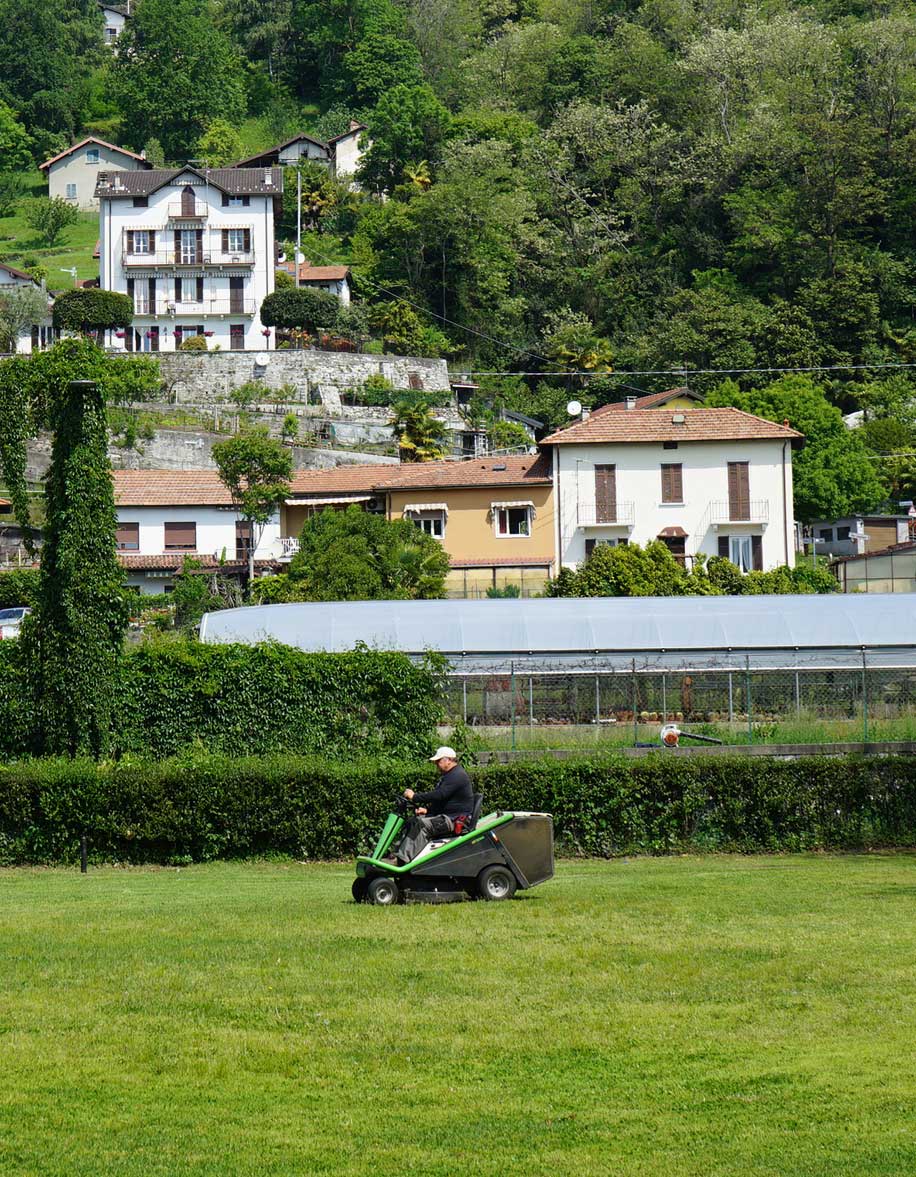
<point x="289" y="546"/>
<point x="179" y="212"/>
<point x="169" y="257"/>
<point x="620" y="515"/>
<point x="195" y="310"/>
<point x="755" y="511"/>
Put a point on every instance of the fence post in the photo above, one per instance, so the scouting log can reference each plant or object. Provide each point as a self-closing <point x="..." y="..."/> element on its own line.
<point x="512" y="690"/>
<point x="731" y="699"/>
<point x="635" y="705"/>
<point x="597" y="704"/>
<point x="864" y="699"/>
<point x="664" y="698"/>
<point x="530" y="702"/>
<point x="464" y="700"/>
<point x="747" y="699"/>
<point x="797" y="695"/>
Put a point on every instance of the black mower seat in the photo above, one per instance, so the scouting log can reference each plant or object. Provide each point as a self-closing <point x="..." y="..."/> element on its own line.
<point x="475" y="814"/>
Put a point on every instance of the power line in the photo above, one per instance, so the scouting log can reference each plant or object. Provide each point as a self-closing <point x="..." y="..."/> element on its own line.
<point x="699" y="371"/>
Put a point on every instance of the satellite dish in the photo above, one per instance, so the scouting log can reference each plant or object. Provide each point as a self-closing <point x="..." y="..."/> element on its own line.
<point x="574" y="408"/>
<point x="300" y="257"/>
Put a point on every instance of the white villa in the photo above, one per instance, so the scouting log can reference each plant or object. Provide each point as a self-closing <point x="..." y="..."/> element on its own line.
<point x="167" y="515"/>
<point x="710" y="481"/>
<point x="74" y="173"/>
<point x="195" y="249"/>
<point x="115" y="16"/>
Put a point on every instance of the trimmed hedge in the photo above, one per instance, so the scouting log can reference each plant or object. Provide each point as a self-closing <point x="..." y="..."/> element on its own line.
<point x="237" y="700"/>
<point x="198" y="808"/>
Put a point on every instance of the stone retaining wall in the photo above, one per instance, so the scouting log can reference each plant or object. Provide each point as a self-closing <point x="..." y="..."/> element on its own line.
<point x="211" y="376"/>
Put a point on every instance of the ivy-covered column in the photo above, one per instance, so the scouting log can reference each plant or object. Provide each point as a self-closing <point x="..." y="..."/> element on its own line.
<point x="82" y="613"/>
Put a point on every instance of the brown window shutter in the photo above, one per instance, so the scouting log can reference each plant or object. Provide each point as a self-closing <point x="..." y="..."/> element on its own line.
<point x="200" y="290"/>
<point x="130" y="287"/>
<point x="589" y="547"/>
<point x="181" y="537"/>
<point x="739" y="505"/>
<point x="247" y="240"/>
<point x="225" y="200"/>
<point x="246" y="201"/>
<point x="177" y="245"/>
<point x="152" y="295"/>
<point x="723" y="546"/>
<point x="178" y="290"/>
<point x="199" y="244"/>
<point x="127" y="537"/>
<point x="605" y="494"/>
<point x="225" y="241"/>
<point x="757" y="552"/>
<point x="676" y="475"/>
<point x="152" y="241"/>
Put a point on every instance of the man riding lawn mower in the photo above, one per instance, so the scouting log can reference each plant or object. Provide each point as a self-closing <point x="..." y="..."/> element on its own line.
<point x="448" y="852"/>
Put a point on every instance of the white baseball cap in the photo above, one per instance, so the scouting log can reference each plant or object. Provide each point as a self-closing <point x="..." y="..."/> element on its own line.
<point x="444" y="753"/>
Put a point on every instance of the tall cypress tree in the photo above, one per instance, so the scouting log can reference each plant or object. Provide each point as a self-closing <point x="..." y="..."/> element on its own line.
<point x="79" y="632"/>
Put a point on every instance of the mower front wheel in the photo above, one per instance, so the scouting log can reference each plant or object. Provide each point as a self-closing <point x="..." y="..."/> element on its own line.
<point x="383" y="892"/>
<point x="496" y="882"/>
<point x="359" y="889"/>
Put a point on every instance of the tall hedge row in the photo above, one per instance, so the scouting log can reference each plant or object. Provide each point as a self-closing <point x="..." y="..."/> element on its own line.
<point x="251" y="700"/>
<point x="200" y="807"/>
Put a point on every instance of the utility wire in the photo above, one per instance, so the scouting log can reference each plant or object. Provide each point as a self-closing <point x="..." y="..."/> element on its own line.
<point x="698" y="371"/>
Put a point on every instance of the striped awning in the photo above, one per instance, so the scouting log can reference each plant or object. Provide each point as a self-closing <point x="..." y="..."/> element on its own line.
<point x="419" y="508"/>
<point x="328" y="500"/>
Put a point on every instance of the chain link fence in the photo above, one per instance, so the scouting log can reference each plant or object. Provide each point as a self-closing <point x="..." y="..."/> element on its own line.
<point x="733" y="704"/>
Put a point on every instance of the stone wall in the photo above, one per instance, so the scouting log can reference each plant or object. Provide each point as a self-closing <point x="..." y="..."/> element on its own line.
<point x="197" y="376"/>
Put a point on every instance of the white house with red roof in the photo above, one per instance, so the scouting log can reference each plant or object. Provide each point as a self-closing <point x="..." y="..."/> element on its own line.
<point x="703" y="481"/>
<point x="194" y="249"/>
<point x="73" y="173"/>
<point x="331" y="279"/>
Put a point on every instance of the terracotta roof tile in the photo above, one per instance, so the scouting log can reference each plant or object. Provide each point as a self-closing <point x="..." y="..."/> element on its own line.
<point x="339" y="479"/>
<point x="309" y="273"/>
<point x="651" y="400"/>
<point x="509" y="471"/>
<point x="649" y="425"/>
<point x="169" y="488"/>
<point x="173" y="561"/>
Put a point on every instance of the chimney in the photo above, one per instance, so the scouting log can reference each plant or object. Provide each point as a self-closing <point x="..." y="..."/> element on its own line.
<point x="631" y="402"/>
<point x="268" y="178"/>
<point x="355" y="124"/>
<point x="586" y="413"/>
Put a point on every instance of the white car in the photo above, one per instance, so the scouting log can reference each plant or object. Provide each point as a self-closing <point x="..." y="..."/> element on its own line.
<point x="10" y="621"/>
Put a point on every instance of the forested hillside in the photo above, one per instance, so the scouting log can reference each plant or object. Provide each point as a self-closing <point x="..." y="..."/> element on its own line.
<point x="572" y="184"/>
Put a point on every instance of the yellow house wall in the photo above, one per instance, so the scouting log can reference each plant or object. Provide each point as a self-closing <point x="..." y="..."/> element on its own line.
<point x="679" y="402"/>
<point x="469" y="530"/>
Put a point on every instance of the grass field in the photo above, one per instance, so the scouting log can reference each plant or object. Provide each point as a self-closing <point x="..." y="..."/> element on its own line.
<point x="669" y="1016"/>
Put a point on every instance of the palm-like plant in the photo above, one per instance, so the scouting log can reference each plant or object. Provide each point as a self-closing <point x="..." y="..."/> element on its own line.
<point x="419" y="434"/>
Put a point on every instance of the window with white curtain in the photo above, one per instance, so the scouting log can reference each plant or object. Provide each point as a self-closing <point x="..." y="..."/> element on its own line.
<point x="741" y="552"/>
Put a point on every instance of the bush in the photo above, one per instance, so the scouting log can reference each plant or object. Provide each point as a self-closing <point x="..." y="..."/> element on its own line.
<point x="256" y="699"/>
<point x="206" y="807"/>
<point x="92" y="310"/>
<point x="18" y="587"/>
<point x="194" y="343"/>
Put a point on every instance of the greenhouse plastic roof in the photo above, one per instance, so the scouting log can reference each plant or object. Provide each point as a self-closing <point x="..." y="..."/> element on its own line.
<point x="500" y="630"/>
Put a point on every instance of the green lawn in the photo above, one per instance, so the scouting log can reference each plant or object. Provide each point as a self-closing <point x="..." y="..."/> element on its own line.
<point x="19" y="243"/>
<point x="668" y="1016"/>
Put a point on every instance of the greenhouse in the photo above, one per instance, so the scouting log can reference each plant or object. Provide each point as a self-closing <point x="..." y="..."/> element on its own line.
<point x="733" y="661"/>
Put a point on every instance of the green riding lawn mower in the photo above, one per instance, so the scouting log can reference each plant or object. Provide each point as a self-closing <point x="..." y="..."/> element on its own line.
<point x="492" y="858"/>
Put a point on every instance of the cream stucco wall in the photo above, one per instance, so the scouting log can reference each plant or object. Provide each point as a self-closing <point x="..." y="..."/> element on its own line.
<point x="75" y="168"/>
<point x="470" y="533"/>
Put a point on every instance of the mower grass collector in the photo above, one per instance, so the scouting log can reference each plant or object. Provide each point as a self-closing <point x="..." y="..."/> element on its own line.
<point x="492" y="858"/>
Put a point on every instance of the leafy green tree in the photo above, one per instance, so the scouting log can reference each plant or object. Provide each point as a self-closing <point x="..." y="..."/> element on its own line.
<point x="20" y="308"/>
<point x="48" y="52"/>
<point x="379" y="62"/>
<point x="631" y="571"/>
<point x="15" y="144"/>
<point x="403" y="333"/>
<point x="12" y="190"/>
<point x="220" y="145"/>
<point x="19" y="586"/>
<point x="303" y="309"/>
<point x="569" y="340"/>
<point x="255" y="468"/>
<point x="196" y="593"/>
<point x="420" y="435"/>
<point x="76" y="640"/>
<point x="408" y="124"/>
<point x="154" y="153"/>
<point x="175" y="74"/>
<point x="355" y="556"/>
<point x="504" y="435"/>
<point x="833" y="474"/>
<point x="93" y="312"/>
<point x="49" y="217"/>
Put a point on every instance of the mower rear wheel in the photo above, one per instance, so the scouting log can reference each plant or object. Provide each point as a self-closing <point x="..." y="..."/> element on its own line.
<point x="383" y="892"/>
<point x="359" y="889"/>
<point x="496" y="882"/>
